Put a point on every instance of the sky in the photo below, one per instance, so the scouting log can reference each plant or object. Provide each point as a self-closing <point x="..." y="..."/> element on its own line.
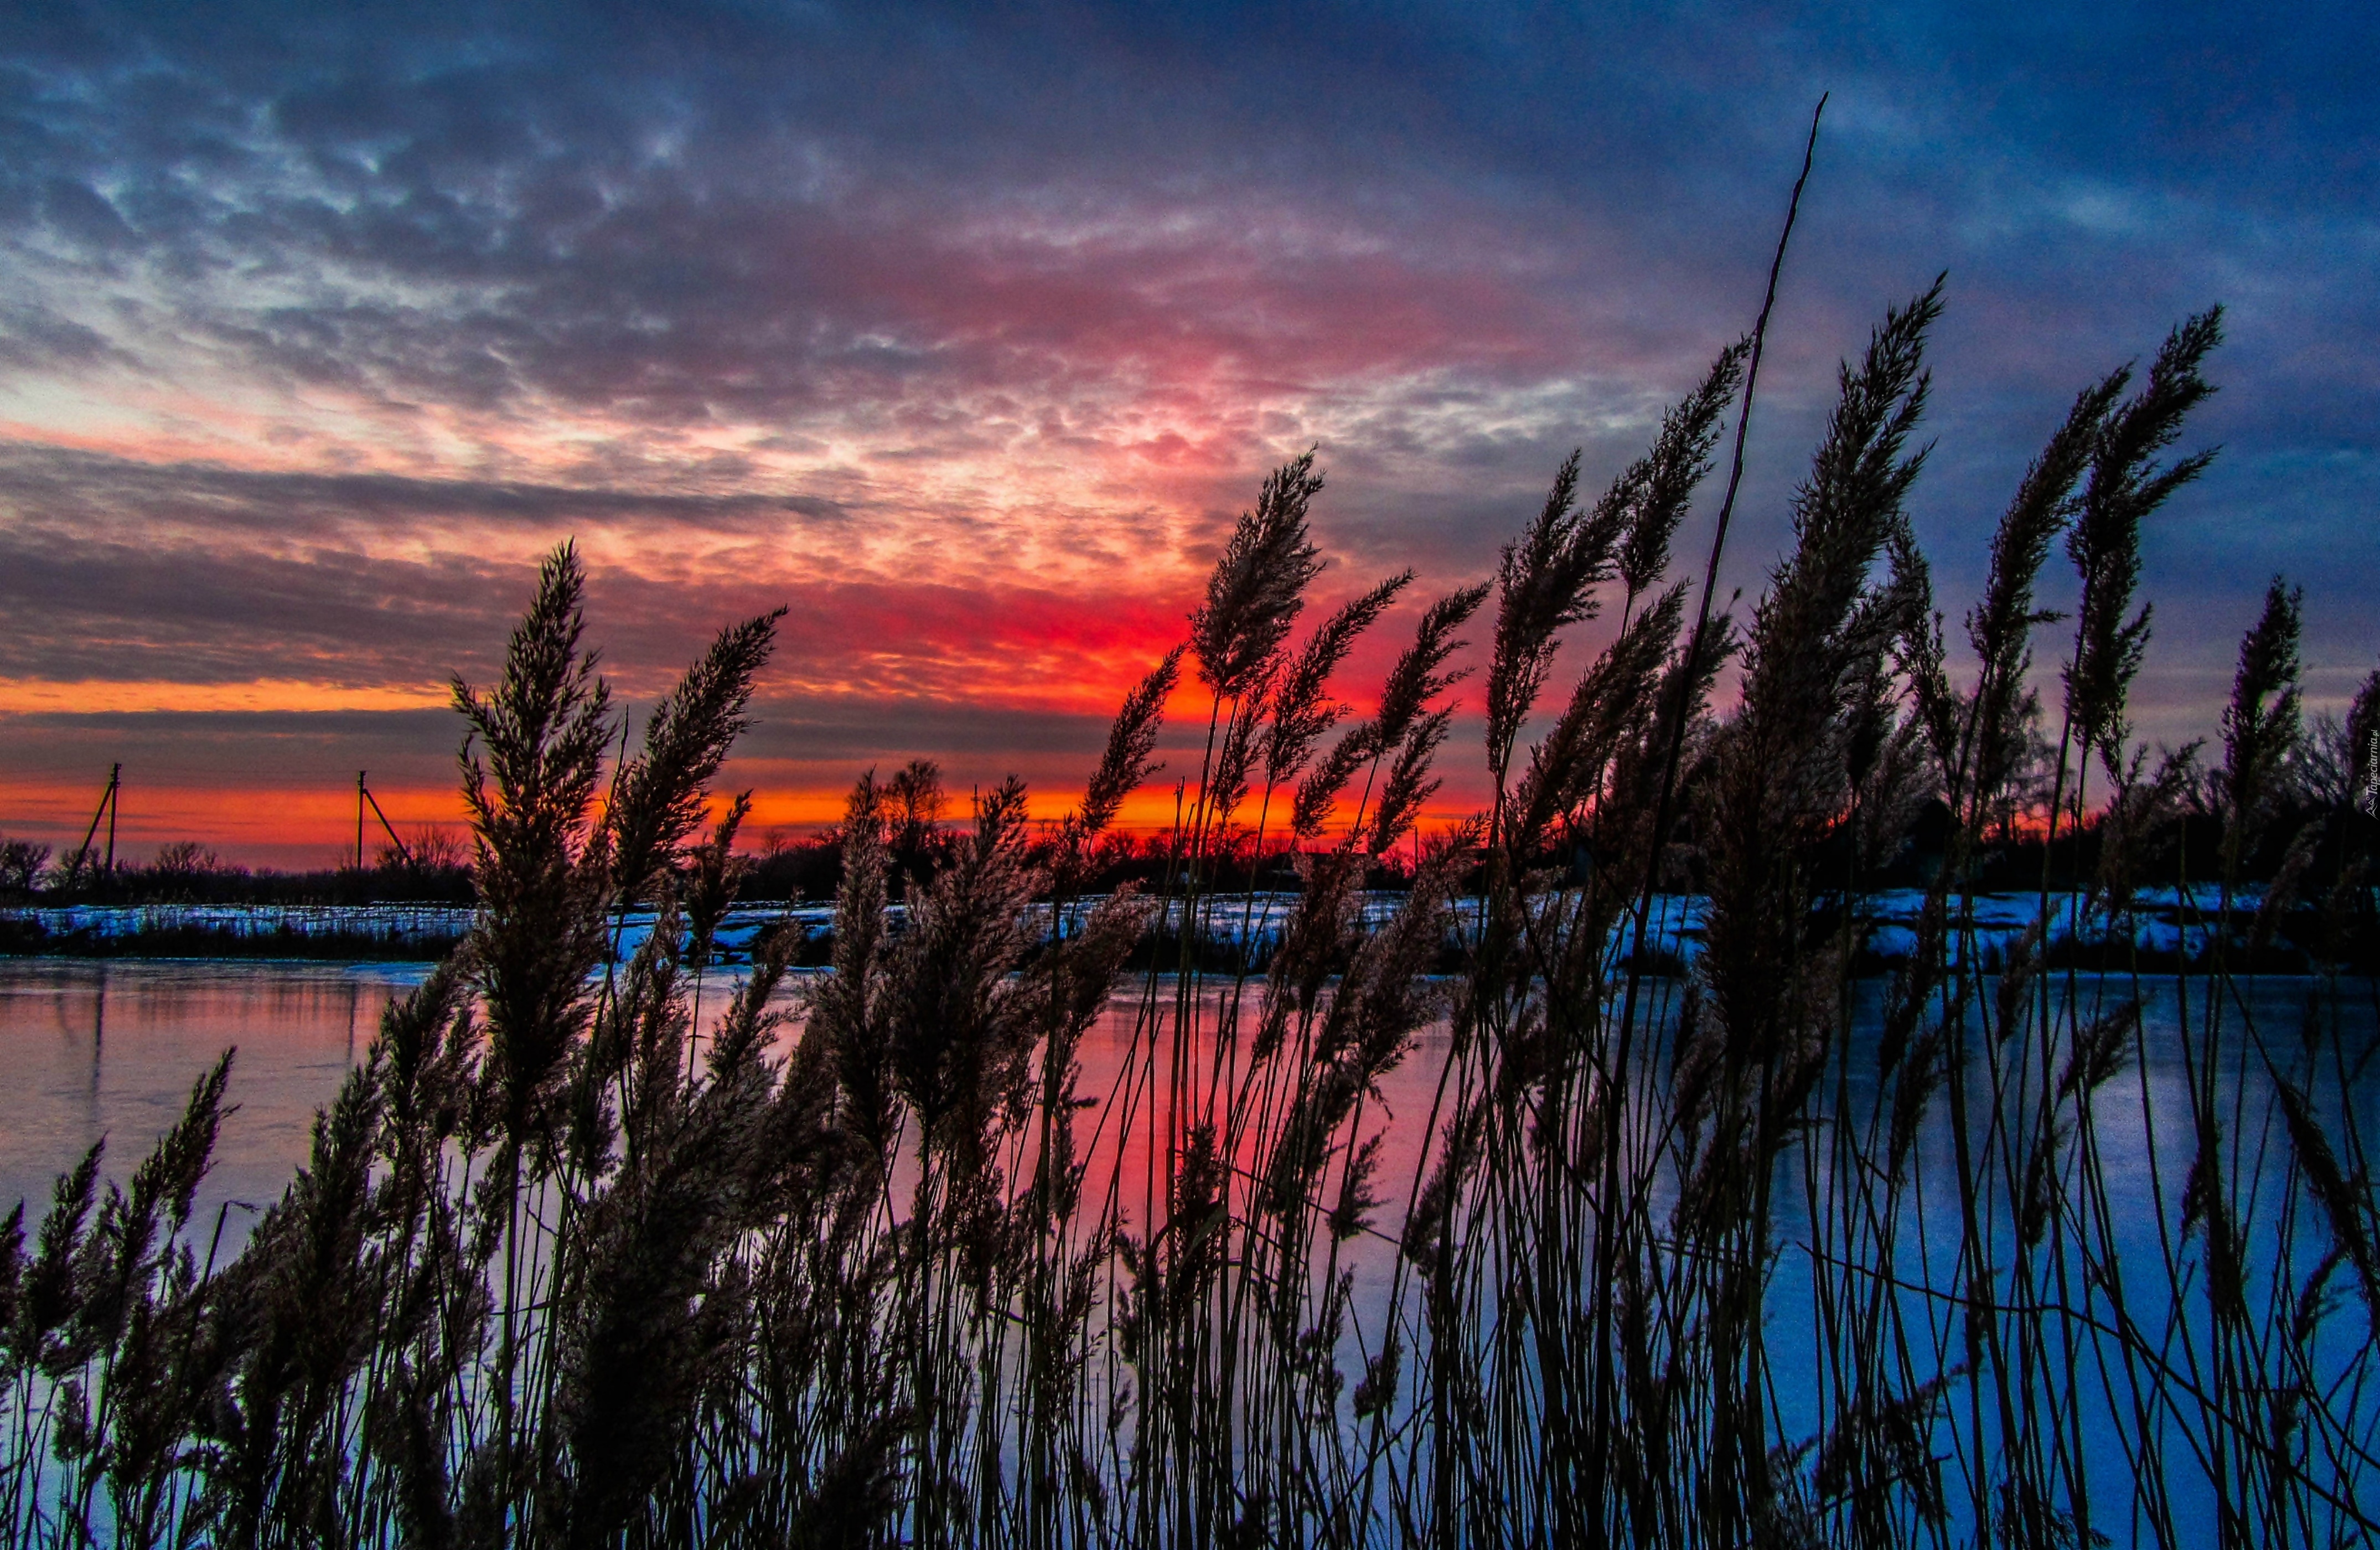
<point x="964" y="333"/>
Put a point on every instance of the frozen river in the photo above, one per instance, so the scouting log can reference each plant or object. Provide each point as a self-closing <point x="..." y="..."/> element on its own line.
<point x="95" y="1048"/>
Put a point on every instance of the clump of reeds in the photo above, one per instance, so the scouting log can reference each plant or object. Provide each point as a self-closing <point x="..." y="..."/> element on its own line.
<point x="1729" y="1251"/>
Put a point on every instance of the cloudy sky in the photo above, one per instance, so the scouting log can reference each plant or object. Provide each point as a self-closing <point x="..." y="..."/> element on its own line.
<point x="964" y="332"/>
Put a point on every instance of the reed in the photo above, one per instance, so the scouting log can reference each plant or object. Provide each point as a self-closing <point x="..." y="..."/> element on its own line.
<point x="1753" y="1248"/>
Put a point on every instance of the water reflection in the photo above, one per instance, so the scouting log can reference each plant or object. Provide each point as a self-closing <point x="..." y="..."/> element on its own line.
<point x="98" y="1033"/>
<point x="109" y="1048"/>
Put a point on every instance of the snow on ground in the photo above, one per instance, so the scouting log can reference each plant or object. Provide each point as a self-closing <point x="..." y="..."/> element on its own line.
<point x="2160" y="920"/>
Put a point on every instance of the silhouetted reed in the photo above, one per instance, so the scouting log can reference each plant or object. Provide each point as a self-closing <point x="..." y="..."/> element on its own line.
<point x="1706" y="1243"/>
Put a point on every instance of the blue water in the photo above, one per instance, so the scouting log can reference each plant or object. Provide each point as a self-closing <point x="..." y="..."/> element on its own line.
<point x="109" y="1048"/>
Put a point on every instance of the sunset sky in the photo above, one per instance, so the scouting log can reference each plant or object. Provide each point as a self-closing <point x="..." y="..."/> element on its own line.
<point x="966" y="333"/>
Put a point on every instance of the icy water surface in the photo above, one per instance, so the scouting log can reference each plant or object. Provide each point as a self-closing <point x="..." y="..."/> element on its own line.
<point x="109" y="1048"/>
<point x="94" y="1048"/>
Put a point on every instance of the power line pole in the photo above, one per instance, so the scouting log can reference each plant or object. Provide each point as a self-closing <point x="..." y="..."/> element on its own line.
<point x="404" y="856"/>
<point x="106" y="809"/>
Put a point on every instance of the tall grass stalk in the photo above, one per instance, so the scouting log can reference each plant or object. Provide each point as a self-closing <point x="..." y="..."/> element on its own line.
<point x="1713" y="1236"/>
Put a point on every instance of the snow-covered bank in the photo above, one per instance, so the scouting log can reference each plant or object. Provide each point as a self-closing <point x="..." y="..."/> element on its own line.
<point x="2163" y="924"/>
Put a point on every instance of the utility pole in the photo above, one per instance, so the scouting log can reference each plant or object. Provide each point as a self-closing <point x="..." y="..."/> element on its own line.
<point x="363" y="795"/>
<point x="106" y="809"/>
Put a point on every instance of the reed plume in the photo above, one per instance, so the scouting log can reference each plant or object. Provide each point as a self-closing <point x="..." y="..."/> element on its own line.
<point x="2126" y="484"/>
<point x="1259" y="585"/>
<point x="2262" y="724"/>
<point x="531" y="763"/>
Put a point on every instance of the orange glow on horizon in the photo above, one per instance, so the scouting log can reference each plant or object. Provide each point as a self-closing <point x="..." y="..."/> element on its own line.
<point x="87" y="696"/>
<point x="293" y="828"/>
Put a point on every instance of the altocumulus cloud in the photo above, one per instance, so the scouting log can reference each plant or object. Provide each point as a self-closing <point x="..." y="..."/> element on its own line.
<point x="966" y="333"/>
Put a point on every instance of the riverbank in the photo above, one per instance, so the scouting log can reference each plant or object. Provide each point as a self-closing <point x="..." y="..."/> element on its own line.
<point x="2163" y="930"/>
